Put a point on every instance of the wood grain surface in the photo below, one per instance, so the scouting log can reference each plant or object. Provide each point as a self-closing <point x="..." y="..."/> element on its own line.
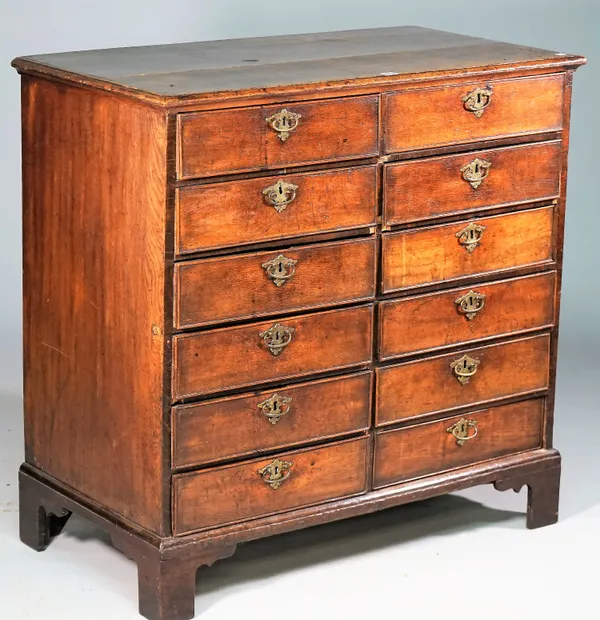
<point x="432" y="321"/>
<point x="427" y="188"/>
<point x="324" y="274"/>
<point x="237" y="492"/>
<point x="94" y="227"/>
<point x="429" y="448"/>
<point x="434" y="254"/>
<point x="236" y="212"/>
<point x="237" y="426"/>
<point x="234" y="357"/>
<point x="428" y="385"/>
<point x="199" y="71"/>
<point x="213" y="143"/>
<point x="435" y="116"/>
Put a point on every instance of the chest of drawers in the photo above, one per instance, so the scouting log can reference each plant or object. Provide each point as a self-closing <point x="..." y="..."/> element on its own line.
<point x="273" y="283"/>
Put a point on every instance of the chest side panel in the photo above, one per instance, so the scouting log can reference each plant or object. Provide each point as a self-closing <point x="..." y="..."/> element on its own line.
<point x="94" y="227"/>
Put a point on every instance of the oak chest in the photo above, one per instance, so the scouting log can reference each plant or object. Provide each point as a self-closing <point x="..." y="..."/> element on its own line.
<point x="273" y="283"/>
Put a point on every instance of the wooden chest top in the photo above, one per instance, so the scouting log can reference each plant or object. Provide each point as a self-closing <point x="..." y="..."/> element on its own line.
<point x="241" y="67"/>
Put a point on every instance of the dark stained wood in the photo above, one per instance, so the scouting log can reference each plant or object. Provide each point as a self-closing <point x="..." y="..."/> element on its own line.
<point x="542" y="497"/>
<point x="429" y="448"/>
<point x="430" y="255"/>
<point x="428" y="385"/>
<point x="432" y="321"/>
<point x="323" y="275"/>
<point x="213" y="143"/>
<point x="236" y="213"/>
<point x="94" y="239"/>
<point x="237" y="492"/>
<point x="235" y="357"/>
<point x="431" y="117"/>
<point x="244" y="67"/>
<point x="422" y="189"/>
<point x="236" y="426"/>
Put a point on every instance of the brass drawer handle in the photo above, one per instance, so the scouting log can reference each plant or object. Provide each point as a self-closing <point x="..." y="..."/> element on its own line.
<point x="464" y="368"/>
<point x="460" y="430"/>
<point x="277" y="337"/>
<point x="470" y="236"/>
<point x="275" y="473"/>
<point x="478" y="100"/>
<point x="475" y="172"/>
<point x="470" y="304"/>
<point x="280" y="269"/>
<point x="280" y="195"/>
<point x="284" y="122"/>
<point x="275" y="407"/>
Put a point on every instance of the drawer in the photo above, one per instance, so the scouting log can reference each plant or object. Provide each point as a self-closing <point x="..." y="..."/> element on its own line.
<point x="449" y="318"/>
<point x="432" y="117"/>
<point x="434" y="254"/>
<point x="234" y="357"/>
<point x="269" y="420"/>
<point x="234" y="493"/>
<point x="272" y="282"/>
<point x="240" y="212"/>
<point x="240" y="140"/>
<point x="438" y="187"/>
<point x="434" y="447"/>
<point x="468" y="377"/>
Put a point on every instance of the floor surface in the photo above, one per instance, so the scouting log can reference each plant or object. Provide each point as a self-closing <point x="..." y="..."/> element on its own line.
<point x="464" y="556"/>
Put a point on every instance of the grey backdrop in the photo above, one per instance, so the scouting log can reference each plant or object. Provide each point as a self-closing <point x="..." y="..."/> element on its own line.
<point x="414" y="553"/>
<point x="39" y="26"/>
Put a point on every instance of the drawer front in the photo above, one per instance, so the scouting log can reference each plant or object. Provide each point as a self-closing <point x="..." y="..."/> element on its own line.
<point x="438" y="446"/>
<point x="226" y="141"/>
<point x="235" y="493"/>
<point x="239" y="212"/>
<point x="442" y="319"/>
<point x="269" y="420"/>
<point x="468" y="377"/>
<point x="435" y="116"/>
<point x="456" y="184"/>
<point x="472" y="247"/>
<point x="234" y="357"/>
<point x="272" y="282"/>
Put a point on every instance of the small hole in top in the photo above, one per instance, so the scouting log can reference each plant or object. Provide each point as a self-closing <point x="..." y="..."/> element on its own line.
<point x="250" y="60"/>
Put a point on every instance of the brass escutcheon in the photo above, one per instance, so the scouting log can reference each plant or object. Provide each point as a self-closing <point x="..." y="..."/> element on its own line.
<point x="470" y="236"/>
<point x="284" y="122"/>
<point x="460" y="430"/>
<point x="280" y="195"/>
<point x="464" y="368"/>
<point x="275" y="407"/>
<point x="276" y="472"/>
<point x="277" y="337"/>
<point x="478" y="100"/>
<point x="280" y="269"/>
<point x="475" y="172"/>
<point x="470" y="304"/>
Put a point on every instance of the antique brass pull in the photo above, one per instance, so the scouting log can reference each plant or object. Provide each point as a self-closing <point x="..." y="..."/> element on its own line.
<point x="478" y="100"/>
<point x="470" y="304"/>
<point x="276" y="472"/>
<point x="284" y="123"/>
<point x="277" y="337"/>
<point x="275" y="407"/>
<point x="470" y="236"/>
<point x="280" y="195"/>
<point x="460" y="430"/>
<point x="280" y="269"/>
<point x="464" y="368"/>
<point x="475" y="172"/>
